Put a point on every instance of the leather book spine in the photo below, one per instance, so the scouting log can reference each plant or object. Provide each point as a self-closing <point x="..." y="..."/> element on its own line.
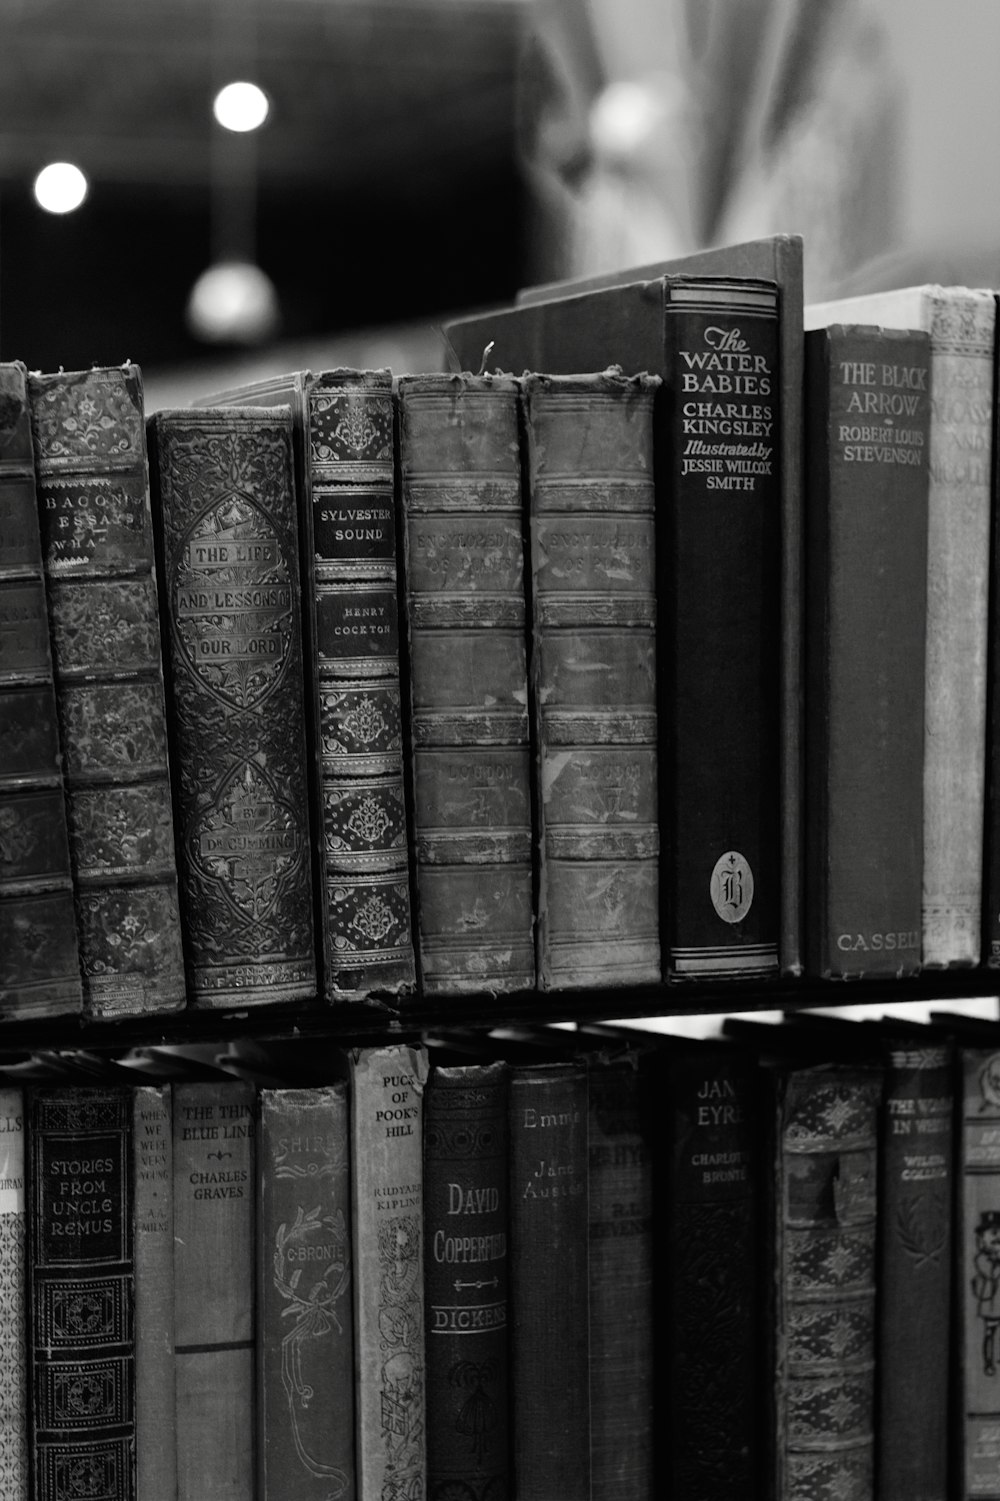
<point x="621" y="1259"/>
<point x="39" y="957"/>
<point x="962" y="327"/>
<point x="155" y="1406"/>
<point x="93" y="497"/>
<point x="460" y="470"/>
<point x="15" y="1465"/>
<point x="228" y="556"/>
<point x="466" y="1282"/>
<point x="214" y="1312"/>
<point x="709" y="1266"/>
<point x="305" y="1322"/>
<point x="354" y="615"/>
<point x="824" y="1269"/>
<point x="81" y="1294"/>
<point x="549" y="1337"/>
<point x="991" y="826"/>
<point x="916" y="1196"/>
<point x="720" y="584"/>
<point x="867" y="444"/>
<point x="387" y="1201"/>
<point x="592" y="548"/>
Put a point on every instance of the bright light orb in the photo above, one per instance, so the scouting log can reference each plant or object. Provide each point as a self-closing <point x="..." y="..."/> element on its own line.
<point x="233" y="302"/>
<point x="241" y="106"/>
<point x="60" y="187"/>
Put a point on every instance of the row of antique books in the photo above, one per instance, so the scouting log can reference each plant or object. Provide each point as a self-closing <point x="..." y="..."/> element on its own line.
<point x="674" y="662"/>
<point x="548" y="1265"/>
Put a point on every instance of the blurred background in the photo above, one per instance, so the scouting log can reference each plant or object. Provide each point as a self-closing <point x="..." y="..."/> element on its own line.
<point x="423" y="158"/>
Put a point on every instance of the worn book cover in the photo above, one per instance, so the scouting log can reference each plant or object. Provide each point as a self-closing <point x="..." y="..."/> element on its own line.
<point x="15" y="1464"/>
<point x="549" y="1288"/>
<point x="155" y="1398"/>
<point x="617" y="317"/>
<point x="594" y="676"/>
<point x="466" y="1238"/>
<point x="387" y="1204"/>
<point x="227" y="545"/>
<point x="93" y="497"/>
<point x="343" y="440"/>
<point x="305" y="1317"/>
<point x="81" y="1338"/>
<point x="39" y="957"/>
<point x="213" y="1272"/>
<point x="868" y="410"/>
<point x="961" y="324"/>
<point x="460" y="476"/>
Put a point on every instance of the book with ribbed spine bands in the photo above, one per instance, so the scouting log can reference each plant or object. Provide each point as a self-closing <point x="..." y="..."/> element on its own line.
<point x="593" y="676"/>
<point x="227" y="551"/>
<point x="93" y="496"/>
<point x="460" y="473"/>
<point x="343" y="435"/>
<point x="39" y="956"/>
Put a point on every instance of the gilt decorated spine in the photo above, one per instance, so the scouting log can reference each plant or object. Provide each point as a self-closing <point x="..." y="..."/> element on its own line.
<point x="387" y="1202"/>
<point x="93" y="497"/>
<point x="14" y="1395"/>
<point x="228" y="554"/>
<point x="305" y="1322"/>
<point x="460" y="470"/>
<point x="82" y="1294"/>
<point x="592" y="550"/>
<point x="214" y="1305"/>
<point x="823" y="1226"/>
<point x="39" y="958"/>
<point x="865" y="648"/>
<point x="466" y="1281"/>
<point x="977" y="1276"/>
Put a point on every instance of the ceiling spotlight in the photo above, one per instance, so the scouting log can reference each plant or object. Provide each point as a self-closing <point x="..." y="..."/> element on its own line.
<point x="241" y="106"/>
<point x="60" y="187"/>
<point x="233" y="302"/>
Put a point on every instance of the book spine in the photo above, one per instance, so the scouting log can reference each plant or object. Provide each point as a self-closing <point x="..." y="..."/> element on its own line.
<point x="214" y="1313"/>
<point x="228" y="556"/>
<point x="466" y="1283"/>
<point x="621" y="1261"/>
<point x="39" y="958"/>
<point x="709" y="1265"/>
<point x="81" y="1294"/>
<point x="351" y="544"/>
<point x="962" y="327"/>
<point x="155" y="1412"/>
<point x="720" y="585"/>
<point x="824" y="1226"/>
<point x="868" y="416"/>
<point x="465" y="595"/>
<point x="916" y="1183"/>
<point x="305" y="1324"/>
<point x="549" y="1338"/>
<point x="991" y="831"/>
<point x="93" y="496"/>
<point x="589" y="452"/>
<point x="977" y="1275"/>
<point x="15" y="1466"/>
<point x="387" y="1088"/>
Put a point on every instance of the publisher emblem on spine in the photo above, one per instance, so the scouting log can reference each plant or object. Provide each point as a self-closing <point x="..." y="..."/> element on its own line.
<point x="731" y="887"/>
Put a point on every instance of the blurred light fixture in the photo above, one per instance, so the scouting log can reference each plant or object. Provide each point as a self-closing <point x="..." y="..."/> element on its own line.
<point x="241" y="107"/>
<point x="233" y="302"/>
<point x="60" y="187"/>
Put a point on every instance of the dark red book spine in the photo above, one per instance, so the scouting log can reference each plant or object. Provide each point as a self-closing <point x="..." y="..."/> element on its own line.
<point x="549" y="1352"/>
<point x="466" y="1281"/>
<point x="867" y="408"/>
<point x="39" y="957"/>
<point x="720" y="587"/>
